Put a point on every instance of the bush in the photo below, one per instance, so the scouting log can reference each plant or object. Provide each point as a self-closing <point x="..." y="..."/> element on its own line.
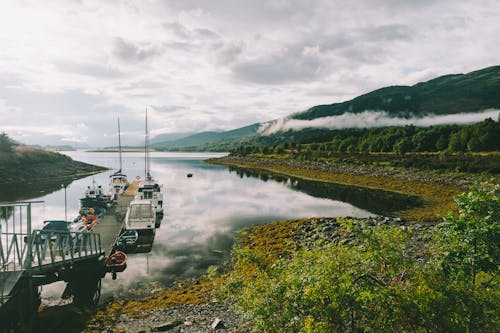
<point x="376" y="283"/>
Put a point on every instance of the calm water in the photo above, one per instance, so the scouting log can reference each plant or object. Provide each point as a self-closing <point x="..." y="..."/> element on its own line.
<point x="201" y="213"/>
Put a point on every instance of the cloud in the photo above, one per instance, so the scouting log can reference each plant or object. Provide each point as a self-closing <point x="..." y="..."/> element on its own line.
<point x="368" y="119"/>
<point x="227" y="53"/>
<point x="90" y="69"/>
<point x="290" y="65"/>
<point x="225" y="63"/>
<point x="183" y="32"/>
<point x="130" y="52"/>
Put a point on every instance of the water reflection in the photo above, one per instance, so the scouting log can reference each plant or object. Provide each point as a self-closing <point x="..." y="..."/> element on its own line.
<point x="374" y="200"/>
<point x="201" y="212"/>
<point x="25" y="190"/>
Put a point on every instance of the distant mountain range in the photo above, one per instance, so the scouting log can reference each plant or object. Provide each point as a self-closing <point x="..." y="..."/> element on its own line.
<point x="454" y="94"/>
<point x="206" y="140"/>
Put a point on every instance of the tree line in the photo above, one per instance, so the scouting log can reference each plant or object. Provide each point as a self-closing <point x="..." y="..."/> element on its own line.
<point x="478" y="137"/>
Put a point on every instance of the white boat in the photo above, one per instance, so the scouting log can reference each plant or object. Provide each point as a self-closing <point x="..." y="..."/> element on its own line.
<point x="140" y="216"/>
<point x="118" y="182"/>
<point x="149" y="189"/>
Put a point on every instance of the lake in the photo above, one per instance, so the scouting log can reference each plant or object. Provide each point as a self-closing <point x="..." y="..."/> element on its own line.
<point x="203" y="212"/>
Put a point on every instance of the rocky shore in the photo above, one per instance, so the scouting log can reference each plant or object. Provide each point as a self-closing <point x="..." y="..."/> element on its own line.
<point x="211" y="317"/>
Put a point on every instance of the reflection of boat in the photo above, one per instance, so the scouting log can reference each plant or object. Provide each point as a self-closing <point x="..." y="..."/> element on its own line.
<point x="141" y="216"/>
<point x="149" y="189"/>
<point x="117" y="262"/>
<point x="118" y="182"/>
<point x="127" y="240"/>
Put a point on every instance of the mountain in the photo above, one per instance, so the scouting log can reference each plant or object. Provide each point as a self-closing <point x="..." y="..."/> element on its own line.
<point x="465" y="94"/>
<point x="207" y="140"/>
<point x="170" y="137"/>
<point x="448" y="94"/>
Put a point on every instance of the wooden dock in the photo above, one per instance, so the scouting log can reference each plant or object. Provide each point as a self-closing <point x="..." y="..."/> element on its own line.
<point x="110" y="225"/>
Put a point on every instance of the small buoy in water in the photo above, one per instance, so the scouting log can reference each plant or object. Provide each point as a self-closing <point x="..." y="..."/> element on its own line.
<point x="190" y="175"/>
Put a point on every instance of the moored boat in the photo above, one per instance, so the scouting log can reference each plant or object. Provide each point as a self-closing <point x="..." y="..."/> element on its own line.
<point x="127" y="240"/>
<point x="117" y="262"/>
<point x="118" y="181"/>
<point x="95" y="198"/>
<point x="149" y="189"/>
<point x="141" y="217"/>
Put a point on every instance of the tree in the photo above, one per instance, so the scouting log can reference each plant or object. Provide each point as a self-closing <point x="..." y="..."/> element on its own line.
<point x="5" y="143"/>
<point x="442" y="143"/>
<point x="471" y="240"/>
<point x="403" y="146"/>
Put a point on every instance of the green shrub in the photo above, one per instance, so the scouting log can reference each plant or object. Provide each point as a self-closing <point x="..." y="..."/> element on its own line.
<point x="382" y="280"/>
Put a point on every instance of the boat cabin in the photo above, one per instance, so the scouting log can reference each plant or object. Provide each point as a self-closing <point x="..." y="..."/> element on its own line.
<point x="140" y="216"/>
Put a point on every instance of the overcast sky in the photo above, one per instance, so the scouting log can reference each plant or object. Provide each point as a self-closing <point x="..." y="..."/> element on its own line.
<point x="68" y="69"/>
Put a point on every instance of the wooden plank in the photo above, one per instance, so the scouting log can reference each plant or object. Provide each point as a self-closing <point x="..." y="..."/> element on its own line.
<point x="131" y="190"/>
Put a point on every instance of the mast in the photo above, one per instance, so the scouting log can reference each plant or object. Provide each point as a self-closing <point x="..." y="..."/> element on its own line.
<point x="146" y="150"/>
<point x="119" y="145"/>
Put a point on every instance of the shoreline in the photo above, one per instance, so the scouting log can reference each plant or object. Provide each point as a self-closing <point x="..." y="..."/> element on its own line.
<point x="191" y="305"/>
<point x="437" y="197"/>
<point x="30" y="181"/>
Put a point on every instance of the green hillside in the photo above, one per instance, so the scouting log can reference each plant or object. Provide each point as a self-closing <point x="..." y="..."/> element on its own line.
<point x="449" y="94"/>
<point x="29" y="171"/>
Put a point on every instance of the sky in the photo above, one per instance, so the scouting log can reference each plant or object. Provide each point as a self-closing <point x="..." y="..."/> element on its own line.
<point x="70" y="68"/>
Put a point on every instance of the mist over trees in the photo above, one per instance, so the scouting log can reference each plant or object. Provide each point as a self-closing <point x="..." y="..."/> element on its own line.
<point x="479" y="137"/>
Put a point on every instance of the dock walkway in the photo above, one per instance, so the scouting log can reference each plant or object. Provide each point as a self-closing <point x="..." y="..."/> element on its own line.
<point x="110" y="225"/>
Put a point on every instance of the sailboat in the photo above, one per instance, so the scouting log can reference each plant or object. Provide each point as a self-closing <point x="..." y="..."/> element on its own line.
<point x="118" y="182"/>
<point x="149" y="189"/>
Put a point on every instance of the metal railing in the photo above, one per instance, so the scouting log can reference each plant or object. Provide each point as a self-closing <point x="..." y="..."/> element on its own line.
<point x="51" y="248"/>
<point x="38" y="251"/>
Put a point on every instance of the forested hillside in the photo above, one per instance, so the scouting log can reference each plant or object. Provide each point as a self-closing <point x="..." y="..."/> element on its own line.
<point x="483" y="136"/>
<point x="474" y="92"/>
<point x="447" y="94"/>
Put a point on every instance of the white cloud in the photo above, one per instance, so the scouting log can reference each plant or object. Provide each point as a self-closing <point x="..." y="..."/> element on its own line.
<point x="368" y="119"/>
<point x="225" y="63"/>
